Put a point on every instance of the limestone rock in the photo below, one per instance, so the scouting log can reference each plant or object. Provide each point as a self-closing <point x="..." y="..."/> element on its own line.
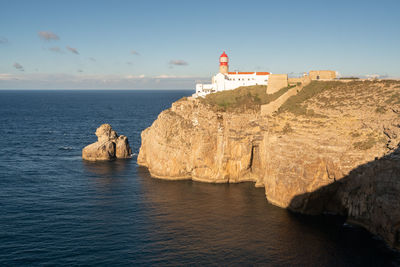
<point x="99" y="151"/>
<point x="336" y="152"/>
<point x="108" y="146"/>
<point x="122" y="149"/>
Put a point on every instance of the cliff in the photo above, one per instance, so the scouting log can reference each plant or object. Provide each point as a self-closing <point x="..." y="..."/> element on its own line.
<point x="332" y="147"/>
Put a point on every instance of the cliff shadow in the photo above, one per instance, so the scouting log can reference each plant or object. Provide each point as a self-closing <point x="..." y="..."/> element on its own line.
<point x="369" y="196"/>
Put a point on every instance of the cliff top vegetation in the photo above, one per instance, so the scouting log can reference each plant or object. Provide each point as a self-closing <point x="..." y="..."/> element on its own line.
<point x="319" y="96"/>
<point x="317" y="99"/>
<point x="350" y="106"/>
<point x="242" y="98"/>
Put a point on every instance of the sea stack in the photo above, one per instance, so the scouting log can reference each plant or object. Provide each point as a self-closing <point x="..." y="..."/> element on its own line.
<point x="109" y="146"/>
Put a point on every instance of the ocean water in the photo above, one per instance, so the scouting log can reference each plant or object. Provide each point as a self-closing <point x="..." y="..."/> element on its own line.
<point x="56" y="209"/>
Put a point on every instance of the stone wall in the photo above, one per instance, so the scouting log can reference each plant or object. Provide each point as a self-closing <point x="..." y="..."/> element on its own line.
<point x="276" y="82"/>
<point x="270" y="108"/>
<point x="303" y="80"/>
<point x="322" y="74"/>
<point x="295" y="81"/>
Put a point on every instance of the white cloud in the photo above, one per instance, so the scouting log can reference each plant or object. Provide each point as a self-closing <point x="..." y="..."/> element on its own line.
<point x="95" y="81"/>
<point x="377" y="76"/>
<point x="72" y="50"/>
<point x="6" y="77"/>
<point x="18" y="66"/>
<point x="165" y="76"/>
<point x="142" y="76"/>
<point x="48" y="36"/>
<point x="178" y="62"/>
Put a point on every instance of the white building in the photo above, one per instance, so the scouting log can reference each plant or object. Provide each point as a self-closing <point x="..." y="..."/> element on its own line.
<point x="226" y="80"/>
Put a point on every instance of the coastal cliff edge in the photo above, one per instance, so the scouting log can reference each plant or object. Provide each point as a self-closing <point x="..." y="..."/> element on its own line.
<point x="332" y="148"/>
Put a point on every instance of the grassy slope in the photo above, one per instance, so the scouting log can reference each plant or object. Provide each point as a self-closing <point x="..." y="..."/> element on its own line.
<point x="328" y="94"/>
<point x="332" y="94"/>
<point x="295" y="103"/>
<point x="242" y="98"/>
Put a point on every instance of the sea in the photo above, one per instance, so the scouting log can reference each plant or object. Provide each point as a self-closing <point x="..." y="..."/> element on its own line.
<point x="56" y="209"/>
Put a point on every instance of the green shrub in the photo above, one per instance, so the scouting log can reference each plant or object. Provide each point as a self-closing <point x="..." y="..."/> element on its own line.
<point x="380" y="109"/>
<point x="287" y="129"/>
<point x="349" y="78"/>
<point x="393" y="99"/>
<point x="366" y="144"/>
<point x="382" y="140"/>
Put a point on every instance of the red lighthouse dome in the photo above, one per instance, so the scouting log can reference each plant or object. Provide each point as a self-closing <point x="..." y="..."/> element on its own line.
<point x="223" y="59"/>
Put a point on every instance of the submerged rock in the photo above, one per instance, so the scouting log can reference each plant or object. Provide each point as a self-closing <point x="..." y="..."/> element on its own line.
<point x="108" y="146"/>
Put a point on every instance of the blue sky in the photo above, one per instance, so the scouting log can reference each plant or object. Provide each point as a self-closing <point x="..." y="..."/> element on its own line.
<point x="174" y="44"/>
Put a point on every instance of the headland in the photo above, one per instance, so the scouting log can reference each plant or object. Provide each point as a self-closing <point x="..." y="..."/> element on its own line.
<point x="316" y="147"/>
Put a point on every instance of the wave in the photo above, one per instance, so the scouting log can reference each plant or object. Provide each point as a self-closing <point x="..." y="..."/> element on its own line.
<point x="66" y="148"/>
<point x="72" y="158"/>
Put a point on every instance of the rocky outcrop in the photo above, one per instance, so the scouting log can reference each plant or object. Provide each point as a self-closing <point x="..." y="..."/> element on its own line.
<point x="108" y="146"/>
<point x="368" y="196"/>
<point x="331" y="148"/>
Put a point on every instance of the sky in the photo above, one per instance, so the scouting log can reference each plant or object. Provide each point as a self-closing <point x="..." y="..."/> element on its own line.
<point x="115" y="44"/>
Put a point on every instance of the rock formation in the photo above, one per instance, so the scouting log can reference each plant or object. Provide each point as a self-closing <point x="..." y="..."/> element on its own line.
<point x="108" y="146"/>
<point x="331" y="148"/>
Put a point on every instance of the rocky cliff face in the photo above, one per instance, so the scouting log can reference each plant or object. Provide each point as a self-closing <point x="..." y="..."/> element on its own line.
<point x="331" y="148"/>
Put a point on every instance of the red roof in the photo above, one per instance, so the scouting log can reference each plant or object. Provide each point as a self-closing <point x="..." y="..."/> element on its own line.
<point x="244" y="73"/>
<point x="224" y="55"/>
<point x="235" y="72"/>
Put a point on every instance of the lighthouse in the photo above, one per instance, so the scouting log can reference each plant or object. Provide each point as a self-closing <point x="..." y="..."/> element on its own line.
<point x="223" y="63"/>
<point x="225" y="80"/>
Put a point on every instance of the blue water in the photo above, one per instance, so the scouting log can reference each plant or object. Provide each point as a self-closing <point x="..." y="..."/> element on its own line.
<point x="56" y="209"/>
